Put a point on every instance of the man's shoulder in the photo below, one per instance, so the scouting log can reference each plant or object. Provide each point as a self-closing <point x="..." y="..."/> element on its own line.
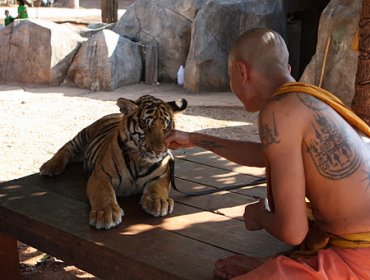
<point x="295" y="101"/>
<point x="287" y="111"/>
<point x="284" y="102"/>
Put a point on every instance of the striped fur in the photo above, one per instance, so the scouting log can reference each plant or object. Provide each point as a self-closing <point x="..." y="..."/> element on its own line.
<point x="123" y="154"/>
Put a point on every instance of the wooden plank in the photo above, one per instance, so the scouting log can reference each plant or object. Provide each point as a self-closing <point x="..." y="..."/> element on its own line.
<point x="72" y="184"/>
<point x="208" y="158"/>
<point x="206" y="177"/>
<point x="29" y="212"/>
<point x="55" y="225"/>
<point x="229" y="204"/>
<point x="9" y="258"/>
<point x="133" y="210"/>
<point x="226" y="203"/>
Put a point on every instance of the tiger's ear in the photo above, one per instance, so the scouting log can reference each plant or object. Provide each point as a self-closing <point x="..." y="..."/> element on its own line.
<point x="178" y="105"/>
<point x="126" y="106"/>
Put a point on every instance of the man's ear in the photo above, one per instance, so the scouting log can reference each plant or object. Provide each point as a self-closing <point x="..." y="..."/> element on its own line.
<point x="243" y="69"/>
<point x="290" y="68"/>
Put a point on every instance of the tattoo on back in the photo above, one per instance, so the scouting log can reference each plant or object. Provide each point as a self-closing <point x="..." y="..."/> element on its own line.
<point x="312" y="103"/>
<point x="333" y="156"/>
<point x="269" y="135"/>
<point x="367" y="175"/>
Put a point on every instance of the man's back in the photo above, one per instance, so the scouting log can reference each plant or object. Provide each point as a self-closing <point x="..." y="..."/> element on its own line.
<point x="336" y="161"/>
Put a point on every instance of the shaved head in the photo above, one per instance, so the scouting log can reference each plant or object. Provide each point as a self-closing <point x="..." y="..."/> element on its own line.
<point x="263" y="49"/>
<point x="258" y="65"/>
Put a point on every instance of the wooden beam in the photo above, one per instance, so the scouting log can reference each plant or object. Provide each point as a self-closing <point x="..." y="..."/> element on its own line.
<point x="109" y="10"/>
<point x="9" y="257"/>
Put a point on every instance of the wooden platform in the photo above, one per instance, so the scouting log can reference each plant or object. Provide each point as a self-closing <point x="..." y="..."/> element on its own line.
<point x="51" y="214"/>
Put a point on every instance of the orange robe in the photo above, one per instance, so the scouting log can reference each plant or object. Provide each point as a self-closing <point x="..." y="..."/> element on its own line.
<point x="328" y="264"/>
<point x="322" y="255"/>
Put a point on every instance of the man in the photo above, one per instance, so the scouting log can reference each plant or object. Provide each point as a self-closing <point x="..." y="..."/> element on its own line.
<point x="8" y="18"/>
<point x="22" y="10"/>
<point x="310" y="151"/>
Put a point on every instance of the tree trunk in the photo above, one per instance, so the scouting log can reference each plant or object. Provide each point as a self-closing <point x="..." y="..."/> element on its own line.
<point x="361" y="100"/>
<point x="109" y="10"/>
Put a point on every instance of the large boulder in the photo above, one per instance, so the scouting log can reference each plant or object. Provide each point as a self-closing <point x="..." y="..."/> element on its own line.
<point x="106" y="61"/>
<point x="163" y="22"/>
<point x="197" y="33"/>
<point x="339" y="22"/>
<point x="36" y="51"/>
<point x="216" y="27"/>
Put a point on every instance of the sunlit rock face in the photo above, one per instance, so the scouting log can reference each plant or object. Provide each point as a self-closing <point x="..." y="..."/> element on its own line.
<point x="166" y="23"/>
<point x="197" y="33"/>
<point x="339" y="22"/>
<point x="216" y="27"/>
<point x="105" y="62"/>
<point x="36" y="51"/>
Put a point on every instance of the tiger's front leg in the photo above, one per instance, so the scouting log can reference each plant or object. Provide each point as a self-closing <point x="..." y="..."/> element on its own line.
<point x="155" y="199"/>
<point x="57" y="163"/>
<point x="105" y="212"/>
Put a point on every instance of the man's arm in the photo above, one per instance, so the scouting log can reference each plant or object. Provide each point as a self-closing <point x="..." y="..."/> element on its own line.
<point x="281" y="127"/>
<point x="240" y="152"/>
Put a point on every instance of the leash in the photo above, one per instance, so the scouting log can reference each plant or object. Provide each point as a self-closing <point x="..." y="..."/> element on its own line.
<point x="209" y="191"/>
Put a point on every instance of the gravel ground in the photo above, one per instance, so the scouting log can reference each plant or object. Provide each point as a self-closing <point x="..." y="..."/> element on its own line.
<point x="36" y="121"/>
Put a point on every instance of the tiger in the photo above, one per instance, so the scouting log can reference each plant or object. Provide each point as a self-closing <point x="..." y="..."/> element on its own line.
<point x="124" y="154"/>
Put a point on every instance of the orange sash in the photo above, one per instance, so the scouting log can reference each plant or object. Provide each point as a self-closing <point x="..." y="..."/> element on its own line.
<point x="329" y="99"/>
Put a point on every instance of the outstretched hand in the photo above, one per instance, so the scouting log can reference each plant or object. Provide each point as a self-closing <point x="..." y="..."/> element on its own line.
<point x="175" y="139"/>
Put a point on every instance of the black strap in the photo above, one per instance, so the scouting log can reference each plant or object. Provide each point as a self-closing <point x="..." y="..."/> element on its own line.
<point x="209" y="191"/>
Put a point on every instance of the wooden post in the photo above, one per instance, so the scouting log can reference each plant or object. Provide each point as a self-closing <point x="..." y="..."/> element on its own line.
<point x="9" y="258"/>
<point x="361" y="100"/>
<point x="151" y="63"/>
<point x="109" y="10"/>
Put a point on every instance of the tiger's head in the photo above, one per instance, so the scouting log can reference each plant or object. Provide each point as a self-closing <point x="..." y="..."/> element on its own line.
<point x="147" y="118"/>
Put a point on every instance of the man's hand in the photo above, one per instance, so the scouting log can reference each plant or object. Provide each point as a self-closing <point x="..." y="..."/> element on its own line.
<point x="175" y="139"/>
<point x="251" y="217"/>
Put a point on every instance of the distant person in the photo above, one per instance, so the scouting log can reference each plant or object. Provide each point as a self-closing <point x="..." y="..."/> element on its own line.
<point x="22" y="10"/>
<point x="8" y="18"/>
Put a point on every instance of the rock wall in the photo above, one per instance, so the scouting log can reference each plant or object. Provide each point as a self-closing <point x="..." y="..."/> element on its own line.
<point x="105" y="62"/>
<point x="215" y="28"/>
<point x="36" y="51"/>
<point x="197" y="34"/>
<point x="339" y="22"/>
<point x="163" y="22"/>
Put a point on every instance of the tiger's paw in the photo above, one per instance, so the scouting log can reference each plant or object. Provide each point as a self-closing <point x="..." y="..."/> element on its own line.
<point x="54" y="166"/>
<point x="156" y="205"/>
<point x="107" y="217"/>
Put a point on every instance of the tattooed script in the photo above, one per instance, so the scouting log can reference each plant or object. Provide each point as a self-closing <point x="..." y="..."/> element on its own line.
<point x="269" y="135"/>
<point x="333" y="156"/>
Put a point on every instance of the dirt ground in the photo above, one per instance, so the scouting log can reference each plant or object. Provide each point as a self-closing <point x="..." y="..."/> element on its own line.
<point x="36" y="121"/>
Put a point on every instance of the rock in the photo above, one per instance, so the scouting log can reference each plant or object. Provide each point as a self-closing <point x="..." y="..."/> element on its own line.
<point x="106" y="61"/>
<point x="198" y="32"/>
<point x="38" y="52"/>
<point x="216" y="27"/>
<point x="93" y="28"/>
<point x="163" y="22"/>
<point x="339" y="21"/>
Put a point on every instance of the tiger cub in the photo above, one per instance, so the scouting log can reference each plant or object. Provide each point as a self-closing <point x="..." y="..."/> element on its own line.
<point x="123" y="154"/>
